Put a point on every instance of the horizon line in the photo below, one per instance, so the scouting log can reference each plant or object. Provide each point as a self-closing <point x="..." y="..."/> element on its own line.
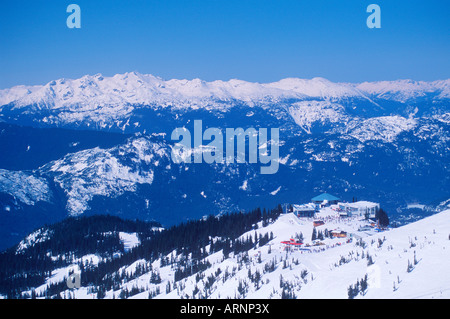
<point x="220" y="80"/>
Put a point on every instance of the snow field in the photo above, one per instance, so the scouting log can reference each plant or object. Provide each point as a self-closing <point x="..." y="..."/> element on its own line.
<point x="325" y="272"/>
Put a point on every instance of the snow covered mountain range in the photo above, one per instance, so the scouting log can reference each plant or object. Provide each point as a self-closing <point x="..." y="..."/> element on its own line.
<point x="138" y="89"/>
<point x="117" y="103"/>
<point x="112" y="101"/>
<point x="100" y="144"/>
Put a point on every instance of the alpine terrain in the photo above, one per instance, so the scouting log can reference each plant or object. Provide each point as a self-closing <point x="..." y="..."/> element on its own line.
<point x="260" y="254"/>
<point x="102" y="146"/>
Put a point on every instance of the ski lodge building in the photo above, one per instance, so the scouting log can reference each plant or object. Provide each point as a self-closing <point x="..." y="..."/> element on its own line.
<point x="305" y="210"/>
<point x="361" y="208"/>
<point x="338" y="233"/>
<point x="325" y="199"/>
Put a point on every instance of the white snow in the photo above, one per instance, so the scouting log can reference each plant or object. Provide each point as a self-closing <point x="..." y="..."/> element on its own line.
<point x="37" y="236"/>
<point x="418" y="206"/>
<point x="244" y="185"/>
<point x="404" y="90"/>
<point x="129" y="240"/>
<point x="384" y="128"/>
<point x="101" y="101"/>
<point x="17" y="92"/>
<point x="275" y="191"/>
<point x="24" y="186"/>
<point x="323" y="269"/>
<point x="110" y="172"/>
<point x="306" y="113"/>
<point x="317" y="87"/>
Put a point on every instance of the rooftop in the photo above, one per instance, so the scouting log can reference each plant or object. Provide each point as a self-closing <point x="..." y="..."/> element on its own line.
<point x="361" y="204"/>
<point x="324" y="196"/>
<point x="308" y="206"/>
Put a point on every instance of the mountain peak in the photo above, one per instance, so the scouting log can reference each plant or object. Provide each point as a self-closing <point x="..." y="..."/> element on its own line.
<point x="133" y="88"/>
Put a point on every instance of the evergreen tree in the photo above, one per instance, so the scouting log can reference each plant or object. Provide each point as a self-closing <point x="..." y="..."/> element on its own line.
<point x="101" y="293"/>
<point x="369" y="260"/>
<point x="242" y="288"/>
<point x="314" y="234"/>
<point x="364" y="284"/>
<point x="382" y="217"/>
<point x="320" y="235"/>
<point x="351" y="292"/>
<point x="287" y="294"/>
<point x="410" y="267"/>
<point x="257" y="279"/>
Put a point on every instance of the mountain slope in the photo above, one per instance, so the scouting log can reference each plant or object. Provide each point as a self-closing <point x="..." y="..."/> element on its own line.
<point x="83" y="140"/>
<point x="406" y="262"/>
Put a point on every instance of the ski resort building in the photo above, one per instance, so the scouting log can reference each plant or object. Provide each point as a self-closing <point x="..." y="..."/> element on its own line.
<point x="361" y="208"/>
<point x="292" y="242"/>
<point x="306" y="210"/>
<point x="318" y="223"/>
<point x="338" y="233"/>
<point x="325" y="199"/>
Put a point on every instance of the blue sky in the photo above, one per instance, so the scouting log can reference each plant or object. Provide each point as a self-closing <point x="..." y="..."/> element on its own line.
<point x="253" y="40"/>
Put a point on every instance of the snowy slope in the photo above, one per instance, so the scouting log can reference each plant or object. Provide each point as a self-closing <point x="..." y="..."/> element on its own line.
<point x="383" y="128"/>
<point x="318" y="88"/>
<point x="15" y="93"/>
<point x="24" y="187"/>
<point x="318" y="271"/>
<point x="308" y="113"/>
<point x="110" y="172"/>
<point x="404" y="90"/>
<point x="327" y="279"/>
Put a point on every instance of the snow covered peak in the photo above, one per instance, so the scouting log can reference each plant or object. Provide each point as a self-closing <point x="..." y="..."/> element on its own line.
<point x="16" y="92"/>
<point x="317" y="87"/>
<point x="106" y="102"/>
<point x="444" y="87"/>
<point x="403" y="90"/>
<point x="133" y="88"/>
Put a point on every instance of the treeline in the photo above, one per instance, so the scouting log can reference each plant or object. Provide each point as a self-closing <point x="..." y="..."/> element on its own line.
<point x="60" y="245"/>
<point x="187" y="238"/>
<point x="77" y="237"/>
<point x="193" y="235"/>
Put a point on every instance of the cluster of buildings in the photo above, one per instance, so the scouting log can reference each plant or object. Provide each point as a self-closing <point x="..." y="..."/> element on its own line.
<point x="326" y="207"/>
<point x="360" y="208"/>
